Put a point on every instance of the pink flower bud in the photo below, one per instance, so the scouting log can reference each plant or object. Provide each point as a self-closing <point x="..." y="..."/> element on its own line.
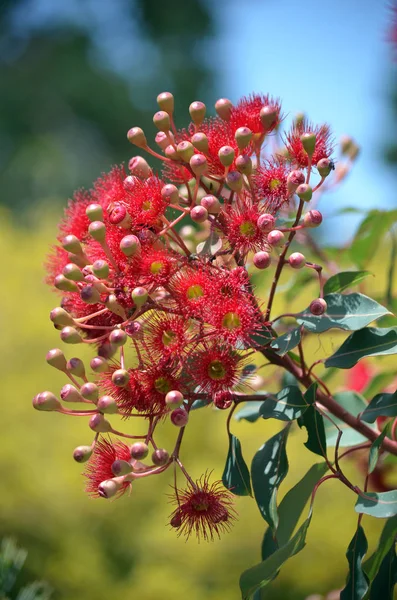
<point x="179" y="417"/>
<point x="313" y="218"/>
<point x="99" y="424"/>
<point x="294" y="179"/>
<point x="139" y="450"/>
<point x="170" y="193"/>
<point x="174" y="398"/>
<point x="198" y="164"/>
<point x="139" y="167"/>
<point x="223" y="107"/>
<point x="211" y="203"/>
<point x="160" y="457"/>
<point x="266" y="222"/>
<point x="276" y="238"/>
<point x="318" y="307"/>
<point x="297" y="260"/>
<point x="262" y="260"/>
<point x="197" y="112"/>
<point x="199" y="214"/>
<point x="223" y="400"/>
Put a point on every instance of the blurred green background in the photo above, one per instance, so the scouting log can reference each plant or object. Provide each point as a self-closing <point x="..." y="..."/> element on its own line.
<point x="74" y="77"/>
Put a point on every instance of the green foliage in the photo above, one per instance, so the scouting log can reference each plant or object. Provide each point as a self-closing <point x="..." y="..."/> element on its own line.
<point x="374" y="451"/>
<point x="287" y="341"/>
<point x="386" y="579"/>
<point x="314" y="423"/>
<point x="354" y="403"/>
<point x="344" y="280"/>
<point x="289" y="404"/>
<point x="357" y="582"/>
<point x="250" y="412"/>
<point x="12" y="560"/>
<point x="382" y="405"/>
<point x="371" y="230"/>
<point x="386" y="542"/>
<point x="370" y="341"/>
<point x="381" y="505"/>
<point x="236" y="476"/>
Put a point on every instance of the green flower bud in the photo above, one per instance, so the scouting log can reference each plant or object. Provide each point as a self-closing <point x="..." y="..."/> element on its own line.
<point x="308" y="140"/>
<point x="200" y="142"/>
<point x="99" y="424"/>
<point x="197" y="112"/>
<point x="72" y="244"/>
<point x="120" y="377"/>
<point x="94" y="212"/>
<point x="72" y="271"/>
<point x="100" y="268"/>
<point x="107" y="405"/>
<point x="90" y="294"/>
<point x="223" y="107"/>
<point x="70" y="335"/>
<point x="130" y="245"/>
<point x="75" y="366"/>
<point x="118" y="337"/>
<point x="170" y="193"/>
<point x="136" y="136"/>
<point x="243" y="136"/>
<point x="46" y="401"/>
<point x="162" y="121"/>
<point x="226" y="155"/>
<point x="56" y="359"/>
<point x="65" y="285"/>
<point x="305" y="192"/>
<point x="59" y="316"/>
<point x="324" y="167"/>
<point x="165" y="100"/>
<point x="90" y="391"/>
<point x="244" y="164"/>
<point x="234" y="180"/>
<point x="82" y="453"/>
<point x="198" y="164"/>
<point x="139" y="296"/>
<point x="185" y="150"/>
<point x="114" y="307"/>
<point x="99" y="364"/>
<point x="97" y="230"/>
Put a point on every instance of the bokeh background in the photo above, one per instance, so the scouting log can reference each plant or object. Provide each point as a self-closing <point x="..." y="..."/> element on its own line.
<point x="75" y="76"/>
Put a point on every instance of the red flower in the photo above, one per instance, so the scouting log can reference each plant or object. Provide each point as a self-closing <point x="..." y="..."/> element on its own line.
<point x="358" y="377"/>
<point x="204" y="509"/>
<point x="157" y="266"/>
<point x="270" y="183"/>
<point x="234" y="319"/>
<point x="295" y="149"/>
<point x="192" y="288"/>
<point x="215" y="368"/>
<point x="247" y="113"/>
<point x="242" y="230"/>
<point x="99" y="467"/>
<point x="166" y="335"/>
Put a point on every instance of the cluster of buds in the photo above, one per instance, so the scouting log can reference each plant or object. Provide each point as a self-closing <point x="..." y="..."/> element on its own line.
<point x="172" y="324"/>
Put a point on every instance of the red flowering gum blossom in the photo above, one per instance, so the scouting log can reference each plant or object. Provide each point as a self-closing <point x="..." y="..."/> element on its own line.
<point x="234" y="320"/>
<point x="215" y="368"/>
<point x="270" y="183"/>
<point x="99" y="467"/>
<point x="192" y="288"/>
<point x="297" y="153"/>
<point x="204" y="509"/>
<point x="241" y="229"/>
<point x="166" y="335"/>
<point x="247" y="113"/>
<point x="358" y="377"/>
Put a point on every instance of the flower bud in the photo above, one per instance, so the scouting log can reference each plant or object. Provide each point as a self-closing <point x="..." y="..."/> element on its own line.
<point x="120" y="377"/>
<point x="174" y="398"/>
<point x="136" y="136"/>
<point x="346" y="144"/>
<point x="165" y="100"/>
<point x="223" y="400"/>
<point x="199" y="214"/>
<point x="226" y="156"/>
<point x="262" y="260"/>
<point x="134" y="330"/>
<point x="75" y="366"/>
<point x="82" y="453"/>
<point x="90" y="295"/>
<point x="139" y="296"/>
<point x="46" y="401"/>
<point x="121" y="467"/>
<point x="160" y="457"/>
<point x="162" y="140"/>
<point x="313" y="218"/>
<point x="295" y="179"/>
<point x="109" y="488"/>
<point x="107" y="405"/>
<point x="90" y="391"/>
<point x="176" y="520"/>
<point x="118" y="337"/>
<point x="99" y="424"/>
<point x="171" y="153"/>
<point x="185" y="150"/>
<point x="211" y="204"/>
<point x="130" y="245"/>
<point x="56" y="359"/>
<point x="223" y="107"/>
<point x="65" y="285"/>
<point x="162" y="121"/>
<point x="118" y="214"/>
<point x="59" y="316"/>
<point x="72" y="271"/>
<point x="308" y="140"/>
<point x="114" y="306"/>
<point x="70" y="335"/>
<point x="244" y="164"/>
<point x="139" y="450"/>
<point x="266" y="222"/>
<point x="78" y="259"/>
<point x="304" y="191"/>
<point x="234" y="180"/>
<point x="275" y="238"/>
<point x="97" y="230"/>
<point x="94" y="212"/>
<point x="99" y="364"/>
<point x="198" y="164"/>
<point x="179" y="417"/>
<point x="72" y="244"/>
<point x="318" y="307"/>
<point x="197" y="112"/>
<point x="268" y="116"/>
<point x="324" y="167"/>
<point x="243" y="136"/>
<point x="200" y="142"/>
<point x="170" y="193"/>
<point x="100" y="268"/>
<point x="297" y="260"/>
<point x="70" y="394"/>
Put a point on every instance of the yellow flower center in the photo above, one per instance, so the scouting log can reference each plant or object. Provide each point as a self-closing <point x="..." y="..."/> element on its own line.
<point x="274" y="184"/>
<point x="147" y="205"/>
<point x="231" y="320"/>
<point x="162" y="385"/>
<point x="248" y="229"/>
<point x="195" y="291"/>
<point x="156" y="267"/>
<point x="168" y="337"/>
<point x="216" y="370"/>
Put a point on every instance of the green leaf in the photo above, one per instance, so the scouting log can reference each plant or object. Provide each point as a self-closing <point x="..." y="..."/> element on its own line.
<point x="314" y="423"/>
<point x="382" y="405"/>
<point x="374" y="451"/>
<point x="386" y="541"/>
<point x="370" y="231"/>
<point x="236" y="477"/>
<point x="344" y="311"/>
<point x="250" y="412"/>
<point x="345" y="279"/>
<point x="287" y="405"/>
<point x="371" y="341"/>
<point x="386" y="579"/>
<point x="269" y="468"/>
<point x="286" y="342"/>
<point x="291" y="508"/>
<point x="381" y="505"/>
<point x="354" y="403"/>
<point x="357" y="582"/>
<point x="261" y="574"/>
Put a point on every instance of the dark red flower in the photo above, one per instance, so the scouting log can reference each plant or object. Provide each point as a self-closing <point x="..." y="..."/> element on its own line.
<point x="99" y="467"/>
<point x="214" y="368"/>
<point x="246" y="113"/>
<point x="296" y="152"/>
<point x="204" y="509"/>
<point x="270" y="183"/>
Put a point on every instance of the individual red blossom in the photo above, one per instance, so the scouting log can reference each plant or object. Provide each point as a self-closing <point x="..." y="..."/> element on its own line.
<point x="270" y="183"/>
<point x="241" y="229"/>
<point x="129" y="398"/>
<point x="246" y="113"/>
<point x="75" y="220"/>
<point x="191" y="287"/>
<point x="234" y="319"/>
<point x="166" y="335"/>
<point x="157" y="266"/>
<point x="99" y="467"/>
<point x="146" y="204"/>
<point x="204" y="509"/>
<point x="296" y="152"/>
<point x="157" y="380"/>
<point x="215" y="368"/>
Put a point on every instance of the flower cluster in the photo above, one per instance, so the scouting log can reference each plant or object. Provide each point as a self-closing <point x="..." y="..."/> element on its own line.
<point x="131" y="278"/>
